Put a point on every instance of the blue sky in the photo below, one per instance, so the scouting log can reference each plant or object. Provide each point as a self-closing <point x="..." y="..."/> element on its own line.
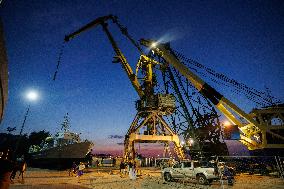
<point x="241" y="39"/>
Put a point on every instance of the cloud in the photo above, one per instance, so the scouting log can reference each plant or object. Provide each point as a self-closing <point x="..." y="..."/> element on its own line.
<point x="120" y="143"/>
<point x="115" y="136"/>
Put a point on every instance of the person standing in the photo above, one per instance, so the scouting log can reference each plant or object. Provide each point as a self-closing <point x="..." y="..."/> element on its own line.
<point x="73" y="169"/>
<point x="23" y="168"/>
<point x="14" y="171"/>
<point x="129" y="166"/>
<point x="97" y="163"/>
<point x="121" y="167"/>
<point x="81" y="167"/>
<point x="228" y="175"/>
<point x="132" y="175"/>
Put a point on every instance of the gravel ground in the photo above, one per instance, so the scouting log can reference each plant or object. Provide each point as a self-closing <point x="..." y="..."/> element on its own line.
<point x="149" y="179"/>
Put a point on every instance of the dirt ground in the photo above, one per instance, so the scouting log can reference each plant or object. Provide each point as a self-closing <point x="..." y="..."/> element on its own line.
<point x="150" y="178"/>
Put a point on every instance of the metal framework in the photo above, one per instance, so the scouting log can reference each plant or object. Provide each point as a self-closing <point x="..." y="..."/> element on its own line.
<point x="149" y="126"/>
<point x="253" y="131"/>
<point x="200" y="123"/>
<point x="196" y="119"/>
<point x="152" y="106"/>
<point x="271" y="120"/>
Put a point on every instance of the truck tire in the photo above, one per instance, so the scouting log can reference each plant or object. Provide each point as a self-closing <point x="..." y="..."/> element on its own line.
<point x="168" y="177"/>
<point x="201" y="179"/>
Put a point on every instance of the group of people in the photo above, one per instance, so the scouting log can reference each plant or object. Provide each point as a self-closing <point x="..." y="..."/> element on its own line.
<point x="129" y="167"/>
<point x="20" y="166"/>
<point x="77" y="169"/>
<point x="9" y="167"/>
<point x="225" y="173"/>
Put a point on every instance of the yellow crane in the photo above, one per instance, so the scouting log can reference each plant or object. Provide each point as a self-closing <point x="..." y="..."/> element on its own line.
<point x="119" y="56"/>
<point x="254" y="127"/>
<point x="148" y="125"/>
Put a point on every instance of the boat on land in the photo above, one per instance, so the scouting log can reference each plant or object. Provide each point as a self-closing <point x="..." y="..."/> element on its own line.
<point x="60" y="151"/>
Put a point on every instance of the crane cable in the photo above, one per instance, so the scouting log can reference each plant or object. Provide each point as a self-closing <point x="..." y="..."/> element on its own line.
<point x="240" y="87"/>
<point x="220" y="82"/>
<point x="124" y="31"/>
<point x="59" y="60"/>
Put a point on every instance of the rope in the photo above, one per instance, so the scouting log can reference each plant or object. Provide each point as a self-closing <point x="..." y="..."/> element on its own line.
<point x="124" y="31"/>
<point x="59" y="60"/>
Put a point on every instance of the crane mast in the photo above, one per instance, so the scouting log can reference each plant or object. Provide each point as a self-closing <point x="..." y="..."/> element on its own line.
<point x="148" y="125"/>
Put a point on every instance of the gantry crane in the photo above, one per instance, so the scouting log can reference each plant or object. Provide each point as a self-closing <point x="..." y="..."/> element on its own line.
<point x="148" y="124"/>
<point x="255" y="128"/>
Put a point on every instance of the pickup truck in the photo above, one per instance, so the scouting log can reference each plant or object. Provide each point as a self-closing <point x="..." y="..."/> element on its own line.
<point x="203" y="173"/>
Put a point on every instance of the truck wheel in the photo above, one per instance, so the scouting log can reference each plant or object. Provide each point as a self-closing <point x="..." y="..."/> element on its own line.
<point x="201" y="179"/>
<point x="168" y="177"/>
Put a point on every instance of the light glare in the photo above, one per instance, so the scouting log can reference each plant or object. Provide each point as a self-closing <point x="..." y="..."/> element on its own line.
<point x="32" y="95"/>
<point x="227" y="123"/>
<point x="153" y="45"/>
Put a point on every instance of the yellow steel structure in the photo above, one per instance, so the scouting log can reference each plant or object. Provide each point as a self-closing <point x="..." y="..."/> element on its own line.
<point x="148" y="125"/>
<point x="254" y="128"/>
<point x="119" y="56"/>
<point x="159" y="132"/>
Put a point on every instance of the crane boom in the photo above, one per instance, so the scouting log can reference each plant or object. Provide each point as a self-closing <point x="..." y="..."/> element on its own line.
<point x="222" y="103"/>
<point x="88" y="26"/>
<point x="119" y="55"/>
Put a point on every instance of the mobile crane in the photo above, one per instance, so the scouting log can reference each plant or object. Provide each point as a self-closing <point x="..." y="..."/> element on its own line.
<point x="148" y="124"/>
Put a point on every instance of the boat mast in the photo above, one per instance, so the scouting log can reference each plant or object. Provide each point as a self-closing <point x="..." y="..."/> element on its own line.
<point x="65" y="126"/>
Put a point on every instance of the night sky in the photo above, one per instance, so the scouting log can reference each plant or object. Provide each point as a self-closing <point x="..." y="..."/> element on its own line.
<point x="241" y="39"/>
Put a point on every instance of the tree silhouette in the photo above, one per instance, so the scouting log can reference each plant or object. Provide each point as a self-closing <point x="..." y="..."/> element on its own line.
<point x="11" y="129"/>
<point x="36" y="138"/>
